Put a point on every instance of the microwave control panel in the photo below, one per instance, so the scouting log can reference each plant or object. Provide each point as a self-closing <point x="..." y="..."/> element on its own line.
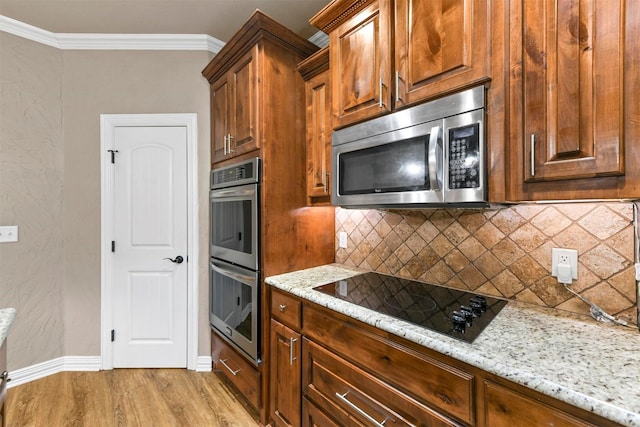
<point x="464" y="157"/>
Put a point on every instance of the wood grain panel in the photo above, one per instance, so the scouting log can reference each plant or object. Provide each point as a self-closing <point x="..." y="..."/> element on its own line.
<point x="507" y="408"/>
<point x="572" y="68"/>
<point x="360" y="65"/>
<point x="285" y="391"/>
<point x="441" y="386"/>
<point x="441" y="46"/>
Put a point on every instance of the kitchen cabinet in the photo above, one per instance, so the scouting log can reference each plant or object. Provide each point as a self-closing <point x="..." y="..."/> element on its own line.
<point x="355" y="374"/>
<point x="257" y="97"/>
<point x="388" y="54"/>
<point x="252" y="82"/>
<point x="315" y="72"/>
<point x="236" y="369"/>
<point x="285" y="375"/>
<point x="369" y="372"/>
<point x="507" y="408"/>
<point x="234" y="109"/>
<point x="440" y="47"/>
<point x="285" y="390"/>
<point x="573" y="131"/>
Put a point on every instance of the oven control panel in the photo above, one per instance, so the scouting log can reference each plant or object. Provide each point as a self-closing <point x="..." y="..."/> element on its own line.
<point x="246" y="172"/>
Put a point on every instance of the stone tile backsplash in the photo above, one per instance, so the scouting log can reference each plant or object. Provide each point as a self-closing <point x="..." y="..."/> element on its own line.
<point x="504" y="252"/>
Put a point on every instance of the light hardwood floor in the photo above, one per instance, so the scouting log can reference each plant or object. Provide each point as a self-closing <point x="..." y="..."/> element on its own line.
<point x="127" y="397"/>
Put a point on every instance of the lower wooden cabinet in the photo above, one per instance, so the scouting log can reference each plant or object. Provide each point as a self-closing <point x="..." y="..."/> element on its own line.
<point x="328" y="369"/>
<point x="353" y="395"/>
<point x="285" y="386"/>
<point x="443" y="388"/>
<point x="508" y="408"/>
<point x="238" y="370"/>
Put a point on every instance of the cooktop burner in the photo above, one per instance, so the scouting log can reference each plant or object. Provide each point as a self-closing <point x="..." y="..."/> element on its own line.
<point x="453" y="312"/>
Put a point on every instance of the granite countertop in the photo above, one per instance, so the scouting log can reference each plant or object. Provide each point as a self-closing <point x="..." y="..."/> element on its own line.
<point x="7" y="315"/>
<point x="572" y="358"/>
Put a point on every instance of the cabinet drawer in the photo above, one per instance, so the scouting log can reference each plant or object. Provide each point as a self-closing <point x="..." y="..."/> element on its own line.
<point x="312" y="416"/>
<point x="286" y="309"/>
<point x="430" y="381"/>
<point x="342" y="388"/>
<point x="236" y="368"/>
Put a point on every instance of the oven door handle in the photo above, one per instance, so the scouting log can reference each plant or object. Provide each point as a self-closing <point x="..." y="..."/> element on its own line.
<point x="245" y="278"/>
<point x="232" y="192"/>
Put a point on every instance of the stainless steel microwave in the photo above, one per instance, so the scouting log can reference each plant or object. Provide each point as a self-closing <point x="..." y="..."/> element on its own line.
<point x="430" y="155"/>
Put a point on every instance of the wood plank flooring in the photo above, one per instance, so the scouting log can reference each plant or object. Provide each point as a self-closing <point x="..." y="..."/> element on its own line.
<point x="127" y="397"/>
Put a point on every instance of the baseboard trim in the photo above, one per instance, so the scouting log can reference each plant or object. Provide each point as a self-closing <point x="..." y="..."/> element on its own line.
<point x="204" y="364"/>
<point x="53" y="366"/>
<point x="77" y="364"/>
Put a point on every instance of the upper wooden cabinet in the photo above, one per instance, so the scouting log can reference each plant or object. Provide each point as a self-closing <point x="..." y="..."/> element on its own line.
<point x="359" y="53"/>
<point x="388" y="54"/>
<point x="249" y="81"/>
<point x="234" y="109"/>
<point x="440" y="47"/>
<point x="573" y="116"/>
<point x="315" y="71"/>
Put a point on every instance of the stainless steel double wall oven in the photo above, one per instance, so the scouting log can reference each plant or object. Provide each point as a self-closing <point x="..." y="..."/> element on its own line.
<point x="234" y="279"/>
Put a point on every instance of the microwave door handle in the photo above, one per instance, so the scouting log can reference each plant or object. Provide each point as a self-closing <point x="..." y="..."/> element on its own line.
<point x="237" y="276"/>
<point x="434" y="159"/>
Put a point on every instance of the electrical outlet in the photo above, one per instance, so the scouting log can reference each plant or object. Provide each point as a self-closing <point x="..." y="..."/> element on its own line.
<point x="8" y="233"/>
<point x="564" y="264"/>
<point x="342" y="239"/>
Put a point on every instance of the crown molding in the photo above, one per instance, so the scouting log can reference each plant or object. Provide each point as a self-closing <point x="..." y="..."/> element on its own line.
<point x="29" y="32"/>
<point x="80" y="41"/>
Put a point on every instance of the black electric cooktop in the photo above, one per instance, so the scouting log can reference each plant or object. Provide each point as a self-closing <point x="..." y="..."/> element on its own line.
<point x="452" y="312"/>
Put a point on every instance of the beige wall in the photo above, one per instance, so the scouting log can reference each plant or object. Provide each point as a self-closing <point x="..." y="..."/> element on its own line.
<point x="31" y="196"/>
<point x="60" y="313"/>
<point x="119" y="82"/>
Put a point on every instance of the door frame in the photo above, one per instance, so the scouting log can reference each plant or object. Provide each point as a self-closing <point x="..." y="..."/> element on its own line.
<point x="108" y="123"/>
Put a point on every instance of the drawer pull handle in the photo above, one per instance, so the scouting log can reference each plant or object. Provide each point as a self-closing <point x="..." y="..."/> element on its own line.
<point x="234" y="373"/>
<point x="282" y="307"/>
<point x="292" y="341"/>
<point x="343" y="397"/>
<point x="533" y="154"/>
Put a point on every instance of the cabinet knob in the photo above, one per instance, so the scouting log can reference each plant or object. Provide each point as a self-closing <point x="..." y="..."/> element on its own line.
<point x="282" y="307"/>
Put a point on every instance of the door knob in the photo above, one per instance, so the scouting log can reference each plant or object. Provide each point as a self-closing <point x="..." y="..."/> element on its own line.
<point x="177" y="260"/>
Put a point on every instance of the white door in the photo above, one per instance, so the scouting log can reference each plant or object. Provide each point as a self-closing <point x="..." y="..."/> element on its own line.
<point x="150" y="226"/>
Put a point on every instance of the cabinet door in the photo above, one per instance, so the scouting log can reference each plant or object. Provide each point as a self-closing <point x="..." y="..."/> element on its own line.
<point x="285" y="387"/>
<point x="507" y="408"/>
<point x="244" y="104"/>
<point x="359" y="51"/>
<point x="219" y="119"/>
<point x="318" y="99"/>
<point x="440" y="46"/>
<point x="570" y="87"/>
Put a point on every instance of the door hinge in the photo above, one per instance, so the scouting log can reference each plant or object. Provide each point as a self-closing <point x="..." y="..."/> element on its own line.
<point x="113" y="155"/>
<point x="113" y="335"/>
<point x="113" y="246"/>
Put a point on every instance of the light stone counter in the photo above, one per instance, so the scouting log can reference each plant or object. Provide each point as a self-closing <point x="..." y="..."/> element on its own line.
<point x="7" y="315"/>
<point x="574" y="359"/>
